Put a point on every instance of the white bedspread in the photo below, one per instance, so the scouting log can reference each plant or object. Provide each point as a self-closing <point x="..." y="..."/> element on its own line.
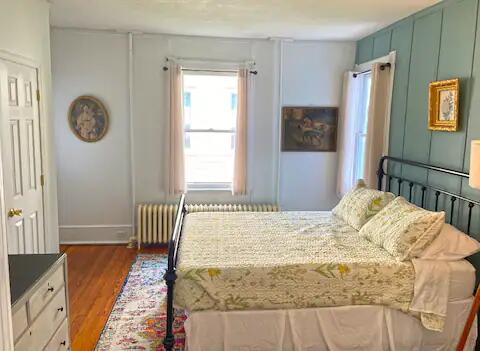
<point x="359" y="328"/>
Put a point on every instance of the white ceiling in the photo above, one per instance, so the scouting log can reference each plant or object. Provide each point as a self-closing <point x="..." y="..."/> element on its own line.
<point x="298" y="19"/>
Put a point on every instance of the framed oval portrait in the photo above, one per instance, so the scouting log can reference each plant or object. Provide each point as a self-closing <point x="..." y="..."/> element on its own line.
<point x="88" y="118"/>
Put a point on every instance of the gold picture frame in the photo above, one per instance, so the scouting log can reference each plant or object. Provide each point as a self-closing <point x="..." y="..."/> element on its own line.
<point x="443" y="105"/>
<point x="88" y="118"/>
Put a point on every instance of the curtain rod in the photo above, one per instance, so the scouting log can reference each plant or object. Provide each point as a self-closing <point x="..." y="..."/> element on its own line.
<point x="165" y="68"/>
<point x="382" y="67"/>
<point x="210" y="70"/>
<point x="197" y="59"/>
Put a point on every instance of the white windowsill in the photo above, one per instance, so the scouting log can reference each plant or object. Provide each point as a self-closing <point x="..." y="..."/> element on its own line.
<point x="208" y="187"/>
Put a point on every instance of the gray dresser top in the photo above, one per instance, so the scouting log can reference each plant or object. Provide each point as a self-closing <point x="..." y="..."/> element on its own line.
<point x="26" y="270"/>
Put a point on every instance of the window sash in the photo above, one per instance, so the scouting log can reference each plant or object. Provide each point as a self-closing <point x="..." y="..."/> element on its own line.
<point x="205" y="184"/>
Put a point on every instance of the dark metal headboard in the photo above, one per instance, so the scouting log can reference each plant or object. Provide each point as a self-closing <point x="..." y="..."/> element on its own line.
<point x="385" y="183"/>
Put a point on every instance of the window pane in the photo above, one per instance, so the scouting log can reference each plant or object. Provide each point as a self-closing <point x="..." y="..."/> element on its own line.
<point x="211" y="102"/>
<point x="360" y="156"/>
<point x="364" y="102"/>
<point x="209" y="157"/>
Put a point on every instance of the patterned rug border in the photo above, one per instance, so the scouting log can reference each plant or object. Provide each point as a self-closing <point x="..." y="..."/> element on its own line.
<point x="120" y="294"/>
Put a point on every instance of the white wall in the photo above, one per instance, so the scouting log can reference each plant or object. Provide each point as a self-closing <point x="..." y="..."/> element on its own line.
<point x="311" y="75"/>
<point x="95" y="63"/>
<point x="150" y="113"/>
<point x="25" y="35"/>
<point x="94" y="178"/>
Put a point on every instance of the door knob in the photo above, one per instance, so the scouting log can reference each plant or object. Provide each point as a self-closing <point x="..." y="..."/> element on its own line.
<point x="14" y="212"/>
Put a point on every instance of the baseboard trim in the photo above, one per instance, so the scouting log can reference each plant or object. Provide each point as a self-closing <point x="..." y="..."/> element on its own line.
<point x="95" y="234"/>
<point x="75" y="226"/>
<point x="87" y="242"/>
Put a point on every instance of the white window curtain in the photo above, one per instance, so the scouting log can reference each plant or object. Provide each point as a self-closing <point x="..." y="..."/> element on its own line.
<point x="377" y="126"/>
<point x="346" y="134"/>
<point x="239" y="186"/>
<point x="176" y="158"/>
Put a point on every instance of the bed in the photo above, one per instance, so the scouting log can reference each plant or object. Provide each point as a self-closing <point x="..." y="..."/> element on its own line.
<point x="301" y="280"/>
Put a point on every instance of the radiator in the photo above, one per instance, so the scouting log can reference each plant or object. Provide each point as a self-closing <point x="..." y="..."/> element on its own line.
<point x="155" y="221"/>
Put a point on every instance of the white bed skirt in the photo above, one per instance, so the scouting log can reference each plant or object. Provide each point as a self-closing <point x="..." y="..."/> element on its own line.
<point x="369" y="328"/>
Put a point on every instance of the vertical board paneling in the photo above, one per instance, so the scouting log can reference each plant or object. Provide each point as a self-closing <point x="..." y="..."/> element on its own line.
<point x="453" y="44"/>
<point x="423" y="69"/>
<point x="401" y="43"/>
<point x="473" y="132"/>
<point x="365" y="50"/>
<point x="381" y="44"/>
<point x="455" y="60"/>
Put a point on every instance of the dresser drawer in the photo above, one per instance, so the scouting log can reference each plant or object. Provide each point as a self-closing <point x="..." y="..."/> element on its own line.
<point x="60" y="341"/>
<point x="25" y="342"/>
<point x="19" y="321"/>
<point x="45" y="292"/>
<point x="44" y="327"/>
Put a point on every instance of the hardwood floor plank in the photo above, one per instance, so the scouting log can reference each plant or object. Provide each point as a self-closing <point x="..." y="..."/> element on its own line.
<point x="96" y="274"/>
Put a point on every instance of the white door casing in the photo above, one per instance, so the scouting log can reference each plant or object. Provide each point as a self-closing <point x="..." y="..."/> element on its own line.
<point x="6" y="335"/>
<point x="21" y="153"/>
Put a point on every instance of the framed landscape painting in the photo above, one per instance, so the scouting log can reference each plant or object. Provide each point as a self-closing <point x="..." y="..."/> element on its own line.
<point x="309" y="128"/>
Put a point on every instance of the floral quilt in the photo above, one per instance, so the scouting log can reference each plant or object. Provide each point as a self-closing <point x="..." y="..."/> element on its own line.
<point x="284" y="260"/>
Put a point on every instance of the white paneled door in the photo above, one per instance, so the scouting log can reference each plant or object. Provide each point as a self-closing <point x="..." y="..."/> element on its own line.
<point x="22" y="167"/>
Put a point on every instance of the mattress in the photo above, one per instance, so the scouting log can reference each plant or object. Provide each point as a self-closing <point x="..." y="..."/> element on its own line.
<point x="286" y="260"/>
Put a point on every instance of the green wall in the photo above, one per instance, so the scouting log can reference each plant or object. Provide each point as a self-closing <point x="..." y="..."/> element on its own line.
<point x="434" y="44"/>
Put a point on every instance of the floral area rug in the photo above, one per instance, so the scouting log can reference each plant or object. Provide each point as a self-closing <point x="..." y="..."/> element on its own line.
<point x="138" y="320"/>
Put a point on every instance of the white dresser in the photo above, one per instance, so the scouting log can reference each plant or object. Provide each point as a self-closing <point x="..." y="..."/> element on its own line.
<point x="39" y="302"/>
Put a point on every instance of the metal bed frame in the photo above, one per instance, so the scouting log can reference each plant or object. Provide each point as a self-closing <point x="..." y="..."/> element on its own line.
<point x="384" y="183"/>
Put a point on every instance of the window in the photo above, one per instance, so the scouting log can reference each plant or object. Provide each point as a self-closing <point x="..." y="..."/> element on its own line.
<point x="361" y="124"/>
<point x="210" y="113"/>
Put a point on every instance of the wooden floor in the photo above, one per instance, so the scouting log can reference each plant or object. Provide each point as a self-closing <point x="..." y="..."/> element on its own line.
<point x="95" y="277"/>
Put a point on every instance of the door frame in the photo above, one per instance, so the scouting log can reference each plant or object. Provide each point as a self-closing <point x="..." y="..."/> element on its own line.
<point x="6" y="331"/>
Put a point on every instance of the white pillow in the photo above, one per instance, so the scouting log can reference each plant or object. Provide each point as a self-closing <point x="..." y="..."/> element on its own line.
<point x="450" y="245"/>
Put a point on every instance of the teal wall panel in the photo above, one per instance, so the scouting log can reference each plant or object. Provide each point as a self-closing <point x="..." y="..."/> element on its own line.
<point x="473" y="132"/>
<point x="455" y="61"/>
<point x="401" y="42"/>
<point x="436" y="43"/>
<point x="381" y="44"/>
<point x="365" y="50"/>
<point x="423" y="69"/>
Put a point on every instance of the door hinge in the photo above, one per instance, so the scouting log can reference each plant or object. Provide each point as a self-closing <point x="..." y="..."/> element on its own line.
<point x="42" y="180"/>
<point x="38" y="95"/>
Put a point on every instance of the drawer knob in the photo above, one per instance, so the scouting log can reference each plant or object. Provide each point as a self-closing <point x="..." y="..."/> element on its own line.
<point x="51" y="289"/>
<point x="60" y="309"/>
<point x="63" y="343"/>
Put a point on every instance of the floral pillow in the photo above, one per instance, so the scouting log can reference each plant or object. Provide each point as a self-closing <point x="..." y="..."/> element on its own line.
<point x="403" y="229"/>
<point x="360" y="204"/>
